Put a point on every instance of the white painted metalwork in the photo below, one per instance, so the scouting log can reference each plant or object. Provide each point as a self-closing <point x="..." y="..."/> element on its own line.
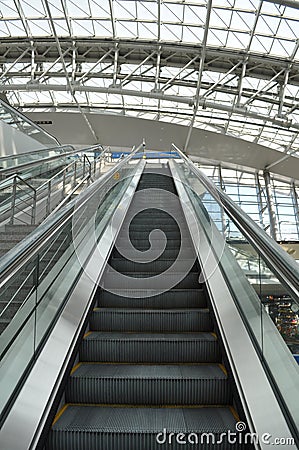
<point x="145" y="58"/>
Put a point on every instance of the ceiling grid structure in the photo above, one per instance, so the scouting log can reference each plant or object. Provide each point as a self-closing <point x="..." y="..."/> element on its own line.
<point x="227" y="66"/>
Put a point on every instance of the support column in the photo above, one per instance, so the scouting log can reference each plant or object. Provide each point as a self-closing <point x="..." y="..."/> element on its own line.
<point x="296" y="206"/>
<point x="271" y="206"/>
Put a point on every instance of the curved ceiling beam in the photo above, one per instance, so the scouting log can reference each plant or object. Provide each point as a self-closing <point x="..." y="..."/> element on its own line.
<point x="217" y="59"/>
<point x="190" y="101"/>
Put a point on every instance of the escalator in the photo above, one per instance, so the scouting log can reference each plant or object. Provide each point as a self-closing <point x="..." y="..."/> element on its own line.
<point x="148" y="362"/>
<point x="40" y="182"/>
<point x="128" y="339"/>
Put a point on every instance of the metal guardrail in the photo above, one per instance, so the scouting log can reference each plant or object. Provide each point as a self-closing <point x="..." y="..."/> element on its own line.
<point x="13" y="261"/>
<point x="25" y="124"/>
<point x="71" y="173"/>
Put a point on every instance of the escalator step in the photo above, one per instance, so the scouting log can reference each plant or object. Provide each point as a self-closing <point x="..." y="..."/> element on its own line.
<point x="159" y="216"/>
<point x="132" y="298"/>
<point x="149" y="384"/>
<point x="144" y="244"/>
<point x="157" y="266"/>
<point x="106" y="319"/>
<point x="169" y="253"/>
<point x="143" y="280"/>
<point x="106" y="428"/>
<point x="170" y="234"/>
<point x="149" y="226"/>
<point x="149" y="347"/>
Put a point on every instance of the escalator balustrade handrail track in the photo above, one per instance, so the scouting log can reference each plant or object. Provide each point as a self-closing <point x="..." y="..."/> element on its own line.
<point x="282" y="264"/>
<point x="28" y="248"/>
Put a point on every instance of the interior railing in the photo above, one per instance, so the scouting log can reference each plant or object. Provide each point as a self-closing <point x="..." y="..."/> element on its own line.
<point x="17" y="120"/>
<point x="26" y="203"/>
<point x="38" y="275"/>
<point x="271" y="270"/>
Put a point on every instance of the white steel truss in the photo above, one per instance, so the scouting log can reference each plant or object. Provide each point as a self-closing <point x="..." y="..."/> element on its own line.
<point x="230" y="66"/>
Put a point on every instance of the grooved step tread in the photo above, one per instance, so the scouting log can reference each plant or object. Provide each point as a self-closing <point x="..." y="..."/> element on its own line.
<point x="171" y="311"/>
<point x="152" y="299"/>
<point x="113" y="419"/>
<point x="150" y="371"/>
<point x="144" y="384"/>
<point x="152" y="320"/>
<point x="160" y="337"/>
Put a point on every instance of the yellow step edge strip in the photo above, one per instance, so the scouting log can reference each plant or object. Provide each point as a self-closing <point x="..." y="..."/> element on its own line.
<point x="75" y="368"/>
<point x="59" y="414"/>
<point x="234" y="413"/>
<point x="153" y="332"/>
<point x="152" y="363"/>
<point x="87" y="334"/>
<point x="126" y="405"/>
<point x="223" y="369"/>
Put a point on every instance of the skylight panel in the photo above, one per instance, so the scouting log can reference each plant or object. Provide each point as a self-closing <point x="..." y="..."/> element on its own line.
<point x="194" y="14"/>
<point x="220" y="18"/>
<point x="217" y="38"/>
<point x="8" y="9"/>
<point x="126" y="29"/>
<point x="39" y="27"/>
<point x="61" y="28"/>
<point x="147" y="30"/>
<point x="288" y="29"/>
<point x="193" y="34"/>
<point x="82" y="28"/>
<point x="282" y="48"/>
<point x="242" y="21"/>
<point x="237" y="40"/>
<point x="16" y="28"/>
<point x="78" y="9"/>
<point x="4" y="31"/>
<point x="33" y="9"/>
<point x="103" y="28"/>
<point x="147" y="10"/>
<point x="171" y="32"/>
<point x="291" y="12"/>
<point x="261" y="44"/>
<point x="172" y="12"/>
<point x="125" y="9"/>
<point x="246" y="4"/>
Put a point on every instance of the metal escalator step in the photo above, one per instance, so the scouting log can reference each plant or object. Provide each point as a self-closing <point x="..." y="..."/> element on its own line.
<point x="133" y="298"/>
<point x="120" y="428"/>
<point x="170" y="234"/>
<point x="166" y="205"/>
<point x="149" y="347"/>
<point x="107" y="319"/>
<point x="143" y="280"/>
<point x="157" y="214"/>
<point x="159" y="265"/>
<point x="156" y="221"/>
<point x="144" y="244"/>
<point x="168" y="253"/>
<point x="147" y="227"/>
<point x="205" y="384"/>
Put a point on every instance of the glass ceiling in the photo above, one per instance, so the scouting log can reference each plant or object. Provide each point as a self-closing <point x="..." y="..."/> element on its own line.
<point x="228" y="66"/>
